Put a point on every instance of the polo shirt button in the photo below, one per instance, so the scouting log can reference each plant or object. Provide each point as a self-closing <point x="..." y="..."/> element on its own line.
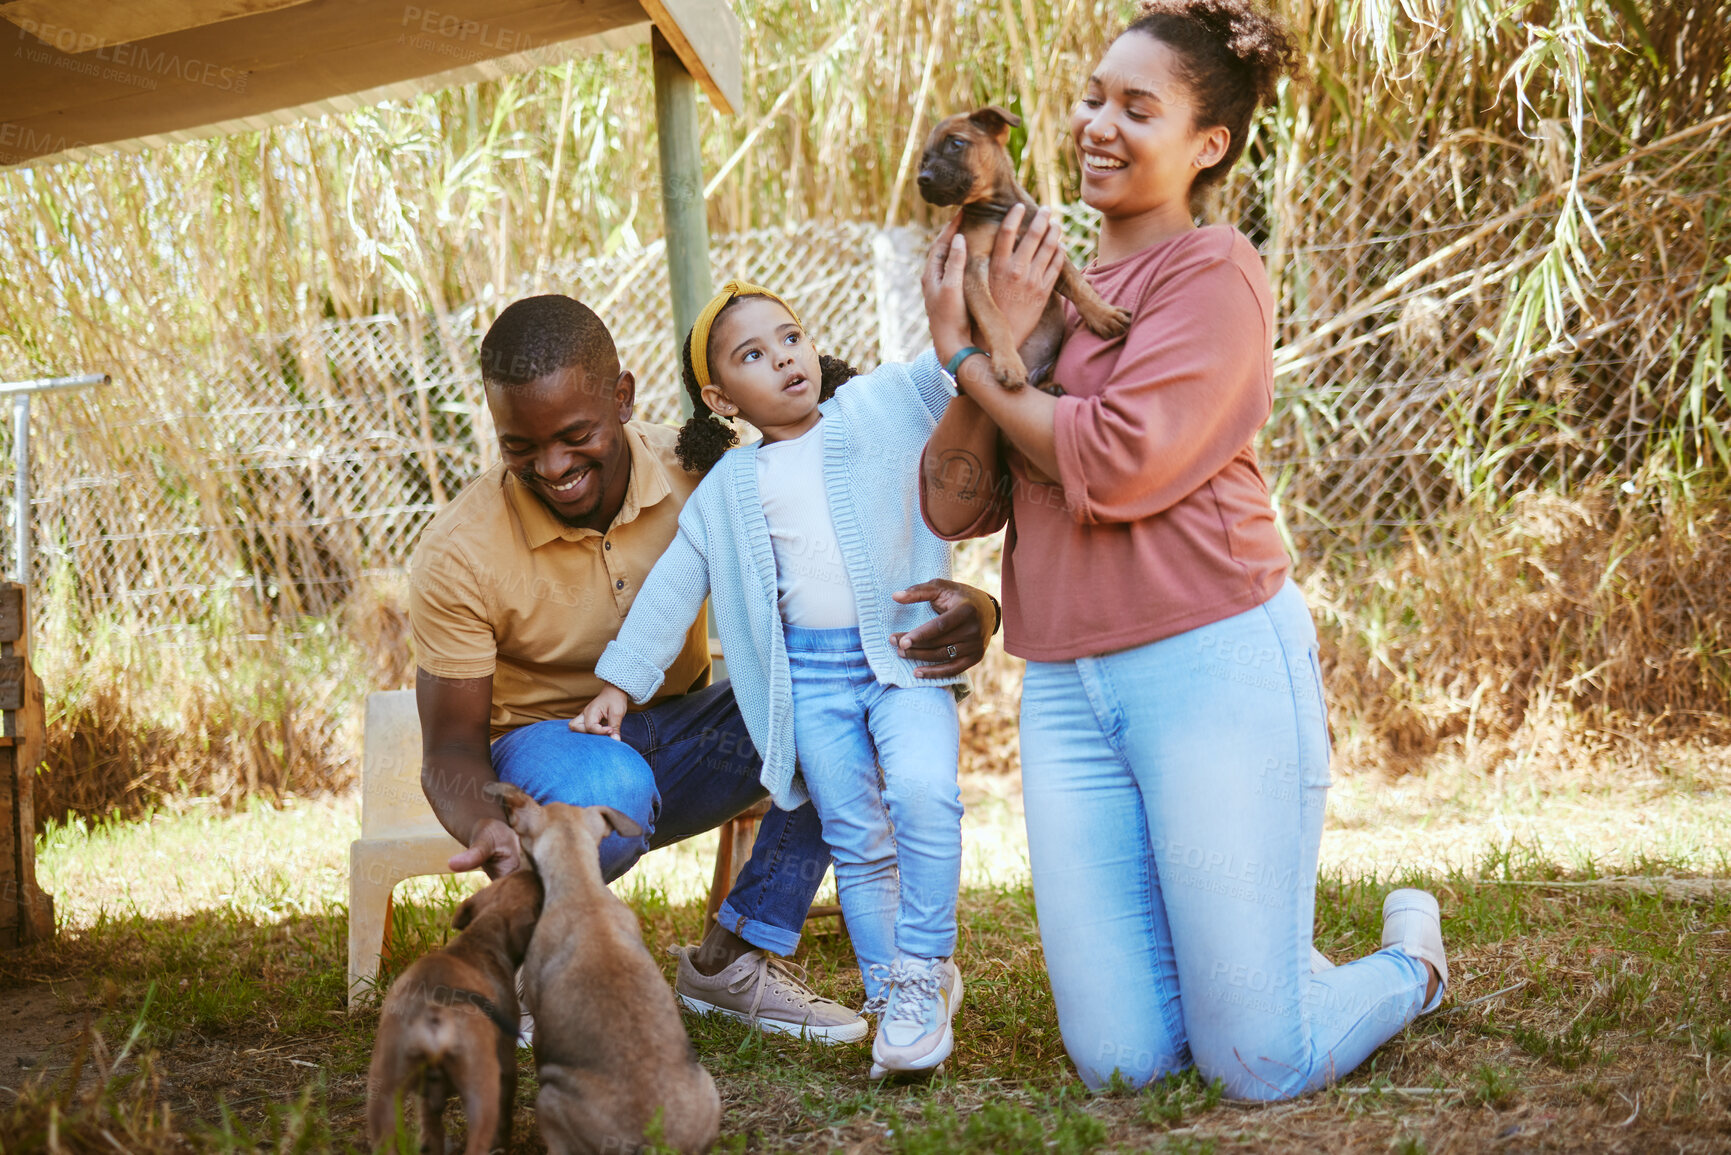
<point x="606" y="545"/>
<point x="620" y="584"/>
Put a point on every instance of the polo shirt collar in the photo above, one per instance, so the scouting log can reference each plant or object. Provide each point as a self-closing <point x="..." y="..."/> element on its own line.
<point x="646" y="486"/>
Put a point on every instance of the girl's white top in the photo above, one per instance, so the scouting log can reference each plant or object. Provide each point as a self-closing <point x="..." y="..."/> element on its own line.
<point x="811" y="582"/>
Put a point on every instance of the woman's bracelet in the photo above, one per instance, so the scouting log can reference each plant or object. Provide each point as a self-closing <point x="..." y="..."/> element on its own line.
<point x="962" y="354"/>
<point x="1000" y="612"/>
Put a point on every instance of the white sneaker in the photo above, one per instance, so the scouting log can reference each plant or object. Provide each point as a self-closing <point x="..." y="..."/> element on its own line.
<point x="1319" y="962"/>
<point x="1412" y="924"/>
<point x="915" y="1032"/>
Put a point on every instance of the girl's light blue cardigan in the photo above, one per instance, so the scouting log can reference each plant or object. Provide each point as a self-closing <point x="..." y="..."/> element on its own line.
<point x="874" y="430"/>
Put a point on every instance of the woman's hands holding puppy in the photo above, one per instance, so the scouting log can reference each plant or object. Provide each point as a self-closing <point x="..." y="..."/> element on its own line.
<point x="1022" y="274"/>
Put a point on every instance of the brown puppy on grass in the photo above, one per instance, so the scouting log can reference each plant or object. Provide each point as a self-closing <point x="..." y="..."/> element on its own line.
<point x="615" y="1064"/>
<point x="965" y="163"/>
<point x="449" y="1025"/>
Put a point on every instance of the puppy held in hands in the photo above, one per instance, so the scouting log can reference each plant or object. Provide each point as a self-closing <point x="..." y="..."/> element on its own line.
<point x="965" y="163"/>
<point x="611" y="1053"/>
<point x="449" y="1025"/>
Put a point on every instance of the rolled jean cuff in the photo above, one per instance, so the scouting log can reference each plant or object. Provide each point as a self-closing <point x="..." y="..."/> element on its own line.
<point x="763" y="935"/>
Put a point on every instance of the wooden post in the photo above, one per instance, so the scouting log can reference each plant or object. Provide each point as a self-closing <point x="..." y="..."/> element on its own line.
<point x="682" y="203"/>
<point x="684" y="215"/>
<point x="26" y="913"/>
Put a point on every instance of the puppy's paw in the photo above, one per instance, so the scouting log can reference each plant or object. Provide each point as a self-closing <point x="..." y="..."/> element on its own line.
<point x="1108" y="322"/>
<point x="1010" y="372"/>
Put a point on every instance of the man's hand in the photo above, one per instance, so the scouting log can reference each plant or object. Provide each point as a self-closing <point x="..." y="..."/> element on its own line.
<point x="603" y="714"/>
<point x="956" y="638"/>
<point x="493" y="847"/>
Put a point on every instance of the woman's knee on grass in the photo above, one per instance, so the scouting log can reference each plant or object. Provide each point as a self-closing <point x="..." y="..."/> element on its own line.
<point x="1253" y="1068"/>
<point x="1109" y="1062"/>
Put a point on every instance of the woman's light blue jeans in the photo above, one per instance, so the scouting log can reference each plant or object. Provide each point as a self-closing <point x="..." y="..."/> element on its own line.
<point x="896" y="838"/>
<point x="1174" y="798"/>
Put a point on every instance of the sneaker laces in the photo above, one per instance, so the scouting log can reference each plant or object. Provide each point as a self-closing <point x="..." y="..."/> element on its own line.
<point x="916" y="986"/>
<point x="885" y="977"/>
<point x="775" y="973"/>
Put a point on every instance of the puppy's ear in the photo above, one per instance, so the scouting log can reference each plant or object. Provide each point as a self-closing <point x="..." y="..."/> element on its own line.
<point x="996" y="121"/>
<point x="470" y="909"/>
<point x="521" y="811"/>
<point x="620" y="822"/>
<point x="505" y="794"/>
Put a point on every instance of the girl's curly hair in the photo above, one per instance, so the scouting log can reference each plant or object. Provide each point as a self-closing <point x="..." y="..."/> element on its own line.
<point x="1232" y="55"/>
<point x="705" y="436"/>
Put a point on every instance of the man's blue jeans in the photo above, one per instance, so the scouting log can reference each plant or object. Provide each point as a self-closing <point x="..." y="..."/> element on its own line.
<point x="682" y="767"/>
<point x="880" y="765"/>
<point x="1174" y="797"/>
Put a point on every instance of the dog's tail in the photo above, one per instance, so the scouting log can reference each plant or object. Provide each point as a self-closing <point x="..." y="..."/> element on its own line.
<point x="400" y="1074"/>
<point x="432" y="1038"/>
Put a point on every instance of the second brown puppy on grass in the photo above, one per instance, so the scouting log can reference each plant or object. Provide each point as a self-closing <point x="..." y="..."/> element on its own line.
<point x="449" y="1025"/>
<point x="965" y="163"/>
<point x="611" y="1053"/>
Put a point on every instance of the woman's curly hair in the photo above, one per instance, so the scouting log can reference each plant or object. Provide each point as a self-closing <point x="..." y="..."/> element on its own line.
<point x="705" y="436"/>
<point x="1232" y="55"/>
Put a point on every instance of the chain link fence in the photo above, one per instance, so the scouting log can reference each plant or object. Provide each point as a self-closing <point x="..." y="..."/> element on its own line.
<point x="1434" y="340"/>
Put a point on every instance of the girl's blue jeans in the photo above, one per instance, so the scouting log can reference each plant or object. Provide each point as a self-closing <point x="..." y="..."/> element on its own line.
<point x="896" y="838"/>
<point x="1174" y="798"/>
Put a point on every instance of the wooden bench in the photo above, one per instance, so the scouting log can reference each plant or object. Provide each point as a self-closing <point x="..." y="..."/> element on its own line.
<point x="26" y="912"/>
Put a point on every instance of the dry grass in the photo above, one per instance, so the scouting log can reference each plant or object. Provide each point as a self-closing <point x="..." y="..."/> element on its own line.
<point x="228" y="706"/>
<point x="1564" y="630"/>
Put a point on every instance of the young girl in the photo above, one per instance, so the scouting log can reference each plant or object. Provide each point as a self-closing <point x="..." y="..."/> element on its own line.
<point x="802" y="538"/>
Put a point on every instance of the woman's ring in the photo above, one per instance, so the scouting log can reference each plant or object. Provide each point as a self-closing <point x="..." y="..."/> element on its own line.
<point x="950" y="650"/>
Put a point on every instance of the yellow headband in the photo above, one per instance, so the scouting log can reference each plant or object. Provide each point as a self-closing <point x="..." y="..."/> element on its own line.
<point x="700" y="328"/>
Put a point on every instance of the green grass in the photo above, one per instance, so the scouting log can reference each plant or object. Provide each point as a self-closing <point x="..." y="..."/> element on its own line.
<point x="220" y="958"/>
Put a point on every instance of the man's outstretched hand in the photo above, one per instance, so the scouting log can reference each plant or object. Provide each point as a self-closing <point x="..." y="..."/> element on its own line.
<point x="965" y="620"/>
<point x="493" y="847"/>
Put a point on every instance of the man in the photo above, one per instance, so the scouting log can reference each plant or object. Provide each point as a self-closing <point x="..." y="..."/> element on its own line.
<point x="520" y="583"/>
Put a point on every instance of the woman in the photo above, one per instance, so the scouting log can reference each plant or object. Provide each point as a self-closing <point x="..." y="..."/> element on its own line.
<point x="1174" y="743"/>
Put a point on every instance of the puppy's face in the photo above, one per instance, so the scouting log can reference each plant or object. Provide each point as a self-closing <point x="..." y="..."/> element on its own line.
<point x="965" y="159"/>
<point x="539" y="826"/>
<point x="517" y="897"/>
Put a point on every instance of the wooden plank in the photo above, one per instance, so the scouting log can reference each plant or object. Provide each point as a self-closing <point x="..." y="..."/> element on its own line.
<point x="704" y="34"/>
<point x="10" y="866"/>
<point x="11" y="611"/>
<point x="92" y="24"/>
<point x="35" y="908"/>
<point x="12" y="685"/>
<point x="53" y="102"/>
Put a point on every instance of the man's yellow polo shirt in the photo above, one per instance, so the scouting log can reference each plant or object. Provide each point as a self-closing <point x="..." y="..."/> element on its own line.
<point x="500" y="586"/>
